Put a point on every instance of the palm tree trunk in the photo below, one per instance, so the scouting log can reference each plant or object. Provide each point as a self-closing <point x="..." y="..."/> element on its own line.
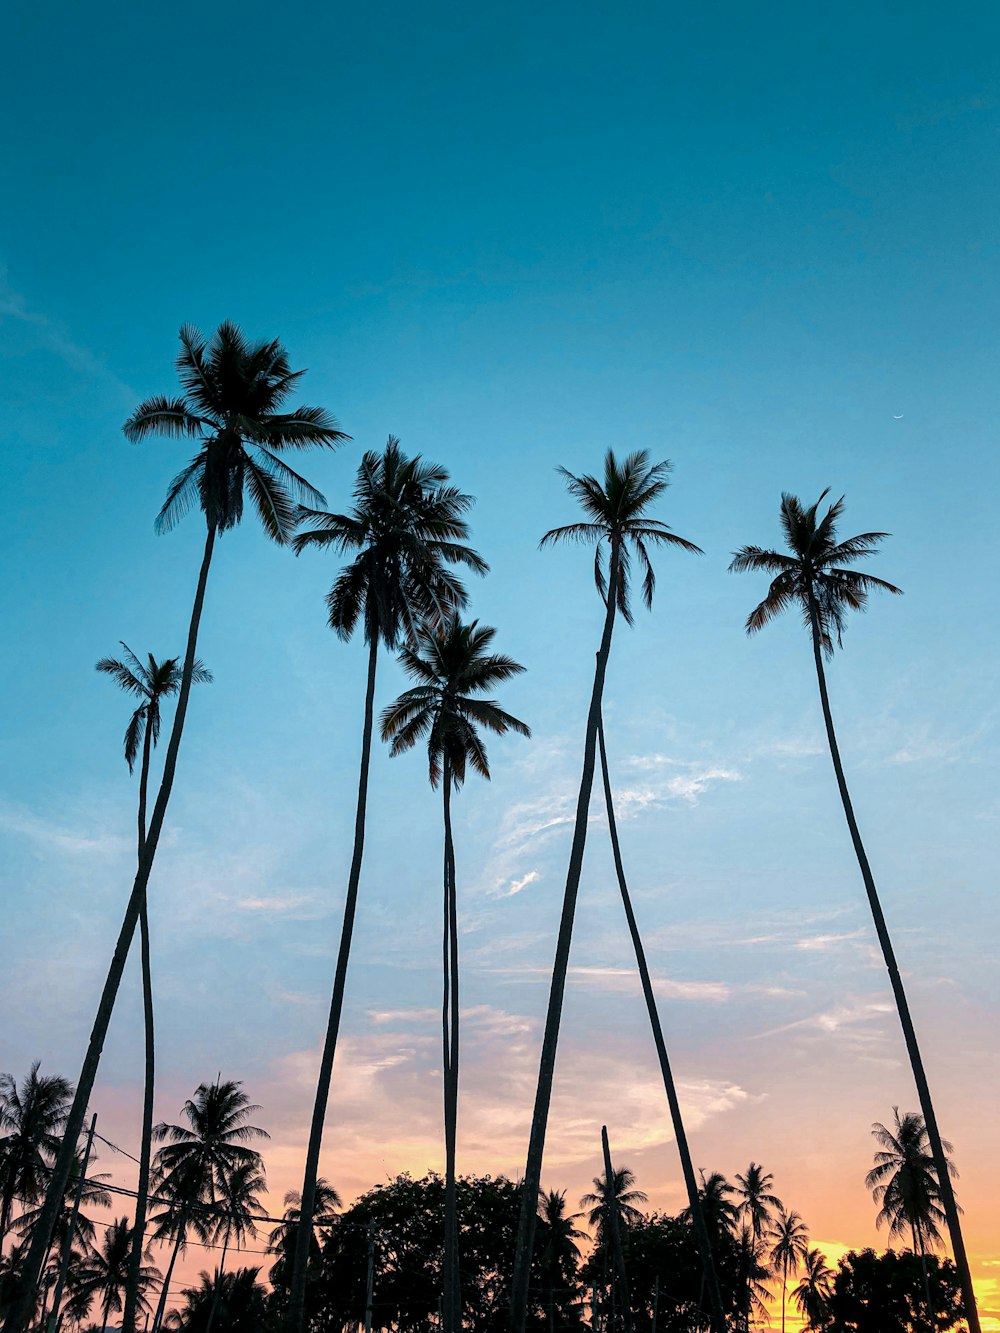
<point x="784" y="1288"/>
<point x="161" y="1304"/>
<point x="146" y="1141"/>
<point x="921" y="1249"/>
<point x="67" y="1251"/>
<point x="550" y="1040"/>
<point x="896" y="981"/>
<point x="218" y="1282"/>
<point x="300" y="1265"/>
<point x="687" y="1167"/>
<point x="614" y="1225"/>
<point x="452" y="1303"/>
<point x="20" y="1312"/>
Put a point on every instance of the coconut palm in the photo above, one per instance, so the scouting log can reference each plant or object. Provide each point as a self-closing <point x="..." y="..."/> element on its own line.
<point x="238" y="1202"/>
<point x="716" y="1205"/>
<point x="198" y="1160"/>
<point x="815" y="579"/>
<point x="615" y="1193"/>
<point x="673" y="1101"/>
<point x="812" y="1295"/>
<point x="559" y="1250"/>
<point x="791" y="1244"/>
<point x="242" y="1304"/>
<point x="756" y="1208"/>
<point x="151" y="682"/>
<point x="182" y="1213"/>
<point x="31" y="1118"/>
<point x="105" y="1272"/>
<point x="72" y="1225"/>
<point x="616" y="517"/>
<point x="407" y="525"/>
<point x="454" y="667"/>
<point x="281" y="1241"/>
<point x="233" y="392"/>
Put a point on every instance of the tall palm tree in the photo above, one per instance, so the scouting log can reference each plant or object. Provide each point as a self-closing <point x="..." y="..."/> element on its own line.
<point x="233" y="392"/>
<point x="815" y="579"/>
<point x="105" y="1273"/>
<point x="407" y="525"/>
<point x="673" y="1101"/>
<point x="791" y="1244"/>
<point x="281" y="1240"/>
<point x="239" y="1202"/>
<point x="815" y="1288"/>
<point x="198" y="1159"/>
<point x="559" y="1250"/>
<point x="181" y="1213"/>
<point x="150" y="682"/>
<point x="616" y="514"/>
<point x="454" y="666"/>
<point x="756" y="1207"/>
<point x="31" y="1118"/>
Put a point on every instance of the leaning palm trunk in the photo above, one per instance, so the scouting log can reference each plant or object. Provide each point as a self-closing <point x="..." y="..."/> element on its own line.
<point x="694" y="1202"/>
<point x="300" y="1262"/>
<point x="20" y="1313"/>
<point x="452" y="1295"/>
<point x="613" y="1222"/>
<point x="550" y="1039"/>
<point x="896" y="981"/>
<point x="146" y="1143"/>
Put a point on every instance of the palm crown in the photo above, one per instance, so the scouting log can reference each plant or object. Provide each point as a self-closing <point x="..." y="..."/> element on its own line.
<point x="233" y="390"/>
<point x="813" y="576"/>
<point x="453" y="665"/>
<point x="149" y="682"/>
<point x="757" y="1203"/>
<point x="621" y="1196"/>
<point x="31" y="1118"/>
<point x="406" y="525"/>
<point x="904" y="1178"/>
<point x="791" y="1241"/>
<point x="616" y="514"/>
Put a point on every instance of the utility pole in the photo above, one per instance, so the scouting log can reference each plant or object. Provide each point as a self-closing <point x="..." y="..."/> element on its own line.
<point x="371" y="1274"/>
<point x="67" y="1249"/>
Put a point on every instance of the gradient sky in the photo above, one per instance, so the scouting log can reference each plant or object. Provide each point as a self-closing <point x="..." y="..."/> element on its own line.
<point x="758" y="240"/>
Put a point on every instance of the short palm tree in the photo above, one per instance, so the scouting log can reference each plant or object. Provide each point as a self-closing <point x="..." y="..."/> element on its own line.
<point x="198" y="1160"/>
<point x="454" y="668"/>
<point x="281" y="1240"/>
<point x="790" y="1246"/>
<point x="666" y="1073"/>
<point x="613" y="1194"/>
<point x="239" y="1205"/>
<point x="242" y="1304"/>
<point x="812" y="1295"/>
<point x="105" y="1273"/>
<point x="233" y="393"/>
<point x="84" y="1188"/>
<point x="150" y="682"/>
<point x="814" y="577"/>
<point x="32" y="1117"/>
<point x="616" y="517"/>
<point x="406" y="527"/>
<point x="559" y="1250"/>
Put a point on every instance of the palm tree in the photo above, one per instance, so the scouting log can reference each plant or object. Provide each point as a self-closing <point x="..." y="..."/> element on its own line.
<point x="673" y="1101"/>
<point x="31" y="1118"/>
<point x="559" y="1250"/>
<point x="407" y="525"/>
<point x="281" y="1241"/>
<point x="616" y="515"/>
<point x="105" y="1274"/>
<point x="453" y="665"/>
<point x="815" y="579"/>
<point x="613" y="1194"/>
<point x="242" y="1301"/>
<point x="150" y="682"/>
<point x="233" y="390"/>
<point x="791" y="1243"/>
<point x="716" y="1206"/>
<point x="813" y="1293"/>
<point x="182" y="1211"/>
<point x="239" y="1201"/>
<point x="198" y="1160"/>
<point x="756" y="1208"/>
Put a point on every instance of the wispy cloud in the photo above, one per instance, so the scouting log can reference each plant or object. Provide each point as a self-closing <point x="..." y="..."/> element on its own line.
<point x="516" y="885"/>
<point x="58" y="837"/>
<point x="291" y="903"/>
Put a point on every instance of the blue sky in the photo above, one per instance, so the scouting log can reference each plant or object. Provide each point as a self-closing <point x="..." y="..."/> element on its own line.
<point x="760" y="241"/>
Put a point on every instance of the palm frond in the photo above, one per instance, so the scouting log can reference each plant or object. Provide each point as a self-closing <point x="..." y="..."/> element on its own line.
<point x="160" y="415"/>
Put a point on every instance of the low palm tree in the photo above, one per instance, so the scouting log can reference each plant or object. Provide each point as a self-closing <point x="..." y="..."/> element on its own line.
<point x="616" y="517"/>
<point x="716" y="1206"/>
<point x="239" y="1204"/>
<point x="105" y="1273"/>
<point x="454" y="668"/>
<point x="406" y="527"/>
<point x="815" y="1288"/>
<point x="198" y="1159"/>
<point x="242" y="1304"/>
<point x="233" y="393"/>
<point x="613" y="1194"/>
<point x="281" y="1240"/>
<point x="32" y="1117"/>
<point x="559" y="1250"/>
<point x="182" y="1214"/>
<point x="150" y="682"/>
<point x="814" y="578"/>
<point x="790" y="1246"/>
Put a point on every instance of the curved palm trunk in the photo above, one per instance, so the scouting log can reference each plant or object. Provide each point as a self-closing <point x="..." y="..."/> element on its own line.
<point x="161" y="1304"/>
<point x="146" y="1143"/>
<point x="218" y="1283"/>
<point x="452" y="1302"/>
<point x="687" y="1167"/>
<point x="896" y="981"/>
<point x="614" y="1225"/>
<point x="20" y="1313"/>
<point x="550" y="1040"/>
<point x="300" y="1263"/>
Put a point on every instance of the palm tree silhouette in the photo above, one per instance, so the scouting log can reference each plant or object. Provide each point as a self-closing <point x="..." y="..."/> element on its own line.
<point x="559" y="1250"/>
<point x="791" y="1244"/>
<point x="281" y="1240"/>
<point x="756" y="1208"/>
<point x="812" y="1295"/>
<point x="673" y="1101"/>
<point x="105" y="1274"/>
<point x="815" y="579"/>
<point x="454" y="666"/>
<point x="242" y="1300"/>
<point x="238" y="1201"/>
<point x="198" y="1161"/>
<point x="233" y="390"/>
<point x="616" y="1194"/>
<point x="616" y="515"/>
<point x="151" y="682"/>
<point x="407" y="525"/>
<point x="31" y="1118"/>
